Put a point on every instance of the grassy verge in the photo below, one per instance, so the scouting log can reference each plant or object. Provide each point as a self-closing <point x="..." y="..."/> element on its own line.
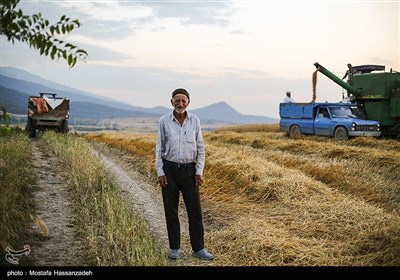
<point x="16" y="201"/>
<point x="113" y="235"/>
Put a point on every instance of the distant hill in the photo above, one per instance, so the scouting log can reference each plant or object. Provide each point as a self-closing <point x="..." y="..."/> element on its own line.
<point x="87" y="110"/>
<point x="80" y="112"/>
<point x="16" y="85"/>
<point x="33" y="88"/>
<point x="222" y="112"/>
<point x="15" y="101"/>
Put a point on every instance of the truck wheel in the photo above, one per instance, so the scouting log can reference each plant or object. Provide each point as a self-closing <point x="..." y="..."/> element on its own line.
<point x="294" y="131"/>
<point x="341" y="134"/>
<point x="64" y="127"/>
<point x="30" y="128"/>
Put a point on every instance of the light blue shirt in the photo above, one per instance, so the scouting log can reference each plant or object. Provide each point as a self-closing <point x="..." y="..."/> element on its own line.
<point x="180" y="144"/>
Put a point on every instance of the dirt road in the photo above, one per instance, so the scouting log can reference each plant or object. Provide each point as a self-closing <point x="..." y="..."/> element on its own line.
<point x="56" y="241"/>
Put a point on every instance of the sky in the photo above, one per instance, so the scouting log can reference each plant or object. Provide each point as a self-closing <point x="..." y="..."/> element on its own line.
<point x="245" y="53"/>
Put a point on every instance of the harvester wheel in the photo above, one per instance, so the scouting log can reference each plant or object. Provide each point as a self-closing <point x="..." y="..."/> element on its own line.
<point x="341" y="134"/>
<point x="294" y="131"/>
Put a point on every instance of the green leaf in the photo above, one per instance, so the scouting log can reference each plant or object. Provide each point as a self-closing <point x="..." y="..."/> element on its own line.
<point x="38" y="33"/>
<point x="53" y="52"/>
<point x="80" y="51"/>
<point x="70" y="59"/>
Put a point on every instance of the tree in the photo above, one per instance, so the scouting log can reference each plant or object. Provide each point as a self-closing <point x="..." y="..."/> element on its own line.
<point x="5" y="116"/>
<point x="38" y="33"/>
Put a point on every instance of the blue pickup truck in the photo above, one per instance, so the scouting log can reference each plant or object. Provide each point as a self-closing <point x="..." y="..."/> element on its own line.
<point x="339" y="120"/>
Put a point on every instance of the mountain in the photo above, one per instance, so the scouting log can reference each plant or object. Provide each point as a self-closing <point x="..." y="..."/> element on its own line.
<point x="16" y="85"/>
<point x="80" y="111"/>
<point x="222" y="112"/>
<point x="33" y="88"/>
<point x="15" y="101"/>
<point x="33" y="84"/>
<point x="90" y="110"/>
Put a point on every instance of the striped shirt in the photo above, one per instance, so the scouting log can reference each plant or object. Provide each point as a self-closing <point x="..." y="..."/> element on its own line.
<point x="180" y="144"/>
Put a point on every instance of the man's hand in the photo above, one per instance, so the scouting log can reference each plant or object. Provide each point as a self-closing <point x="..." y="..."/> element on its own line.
<point x="163" y="181"/>
<point x="199" y="180"/>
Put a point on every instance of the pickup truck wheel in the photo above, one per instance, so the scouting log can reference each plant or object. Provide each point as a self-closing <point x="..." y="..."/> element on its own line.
<point x="341" y="134"/>
<point x="294" y="131"/>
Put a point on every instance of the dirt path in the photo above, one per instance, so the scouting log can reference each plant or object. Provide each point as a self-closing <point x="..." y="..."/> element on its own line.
<point x="139" y="196"/>
<point x="55" y="241"/>
<point x="145" y="199"/>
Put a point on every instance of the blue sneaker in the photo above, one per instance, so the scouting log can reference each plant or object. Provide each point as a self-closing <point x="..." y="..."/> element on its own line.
<point x="174" y="254"/>
<point x="203" y="254"/>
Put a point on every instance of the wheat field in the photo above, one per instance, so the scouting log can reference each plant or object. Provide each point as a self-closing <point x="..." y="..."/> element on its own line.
<point x="269" y="200"/>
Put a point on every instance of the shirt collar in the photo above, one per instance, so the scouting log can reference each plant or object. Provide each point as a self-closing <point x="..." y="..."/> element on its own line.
<point x="172" y="117"/>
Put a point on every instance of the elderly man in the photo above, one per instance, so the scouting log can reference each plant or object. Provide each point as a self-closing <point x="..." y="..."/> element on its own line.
<point x="180" y="158"/>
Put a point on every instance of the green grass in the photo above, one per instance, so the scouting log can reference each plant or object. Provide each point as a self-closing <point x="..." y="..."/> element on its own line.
<point x="114" y="236"/>
<point x="16" y="201"/>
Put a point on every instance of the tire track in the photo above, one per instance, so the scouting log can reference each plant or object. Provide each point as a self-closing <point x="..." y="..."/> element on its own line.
<point x="55" y="239"/>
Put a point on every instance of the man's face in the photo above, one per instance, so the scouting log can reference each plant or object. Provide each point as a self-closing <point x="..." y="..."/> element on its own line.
<point x="180" y="103"/>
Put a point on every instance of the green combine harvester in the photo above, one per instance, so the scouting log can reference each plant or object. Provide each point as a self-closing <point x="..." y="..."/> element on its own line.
<point x="375" y="92"/>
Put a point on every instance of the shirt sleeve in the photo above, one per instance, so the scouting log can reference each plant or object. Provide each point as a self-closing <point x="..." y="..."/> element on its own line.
<point x="159" y="145"/>
<point x="201" y="154"/>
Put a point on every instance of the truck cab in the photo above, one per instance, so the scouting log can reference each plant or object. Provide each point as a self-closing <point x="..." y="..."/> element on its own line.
<point x="338" y="120"/>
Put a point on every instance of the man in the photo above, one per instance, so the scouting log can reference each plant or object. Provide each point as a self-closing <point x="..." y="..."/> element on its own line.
<point x="349" y="73"/>
<point x="288" y="98"/>
<point x="180" y="158"/>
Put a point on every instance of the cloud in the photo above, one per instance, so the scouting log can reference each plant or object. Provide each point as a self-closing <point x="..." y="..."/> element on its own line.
<point x="237" y="32"/>
<point x="92" y="25"/>
<point x="199" y="13"/>
<point x="98" y="53"/>
<point x="106" y="29"/>
<point x="117" y="20"/>
<point x="245" y="72"/>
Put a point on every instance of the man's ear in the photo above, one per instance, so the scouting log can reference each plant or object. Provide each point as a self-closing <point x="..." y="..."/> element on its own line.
<point x="172" y="102"/>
